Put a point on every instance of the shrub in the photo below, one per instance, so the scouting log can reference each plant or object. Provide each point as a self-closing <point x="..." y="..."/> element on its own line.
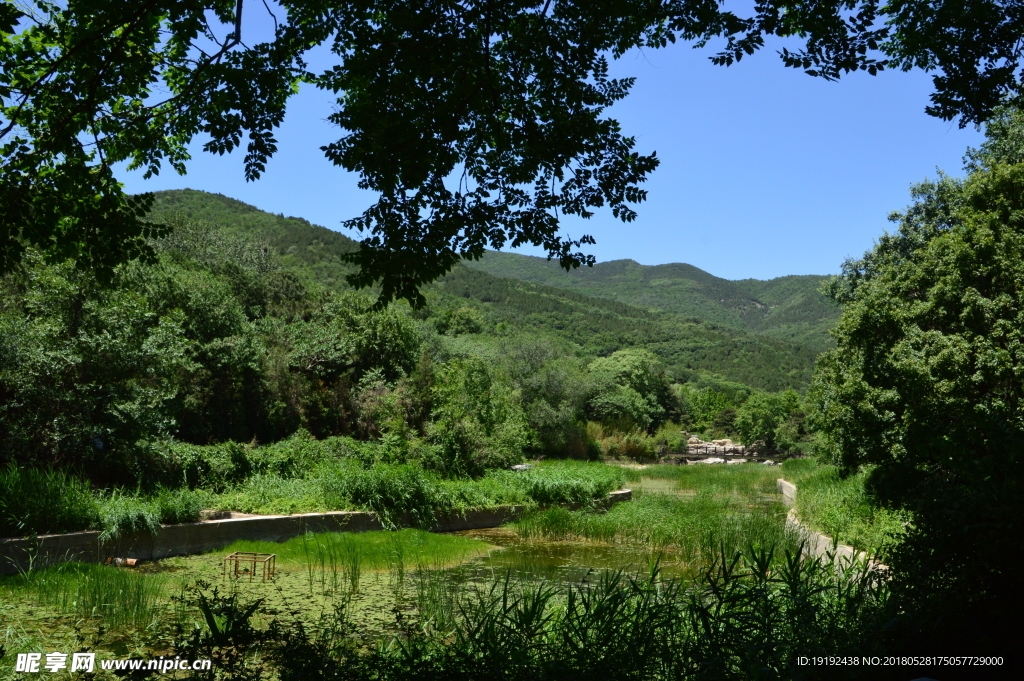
<point x="671" y="437"/>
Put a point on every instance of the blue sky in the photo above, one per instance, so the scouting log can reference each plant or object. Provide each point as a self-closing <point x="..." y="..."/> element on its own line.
<point x="764" y="171"/>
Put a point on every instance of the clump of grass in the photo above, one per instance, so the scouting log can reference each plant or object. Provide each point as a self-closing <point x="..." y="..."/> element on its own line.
<point x="570" y="482"/>
<point x="120" y="598"/>
<point x="695" y="527"/>
<point x="122" y="515"/>
<point x="794" y="469"/>
<point x="393" y="493"/>
<point x="179" y="505"/>
<point x="43" y="502"/>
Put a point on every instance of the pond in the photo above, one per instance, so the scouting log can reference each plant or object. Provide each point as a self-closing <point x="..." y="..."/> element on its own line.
<point x="679" y="519"/>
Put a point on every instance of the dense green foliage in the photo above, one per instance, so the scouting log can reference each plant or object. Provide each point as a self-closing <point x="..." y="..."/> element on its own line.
<point x="789" y="308"/>
<point x="925" y="387"/>
<point x="241" y="332"/>
<point x="511" y="95"/>
<point x="770" y="421"/>
<point x="470" y="301"/>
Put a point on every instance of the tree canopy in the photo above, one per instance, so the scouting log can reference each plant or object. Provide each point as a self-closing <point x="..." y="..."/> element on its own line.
<point x="925" y="386"/>
<point x="477" y="123"/>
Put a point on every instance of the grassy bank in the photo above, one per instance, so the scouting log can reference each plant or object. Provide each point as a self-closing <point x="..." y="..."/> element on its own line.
<point x="840" y="507"/>
<point x="333" y="484"/>
<point x="712" y="507"/>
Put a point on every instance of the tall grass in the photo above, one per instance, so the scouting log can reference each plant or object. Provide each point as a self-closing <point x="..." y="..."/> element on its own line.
<point x="572" y="482"/>
<point x="120" y="598"/>
<point x="747" y="616"/>
<point x="43" y="502"/>
<point x="696" y="527"/>
<point x="335" y="561"/>
<point x="749" y="479"/>
<point x="123" y="515"/>
<point x="176" y="506"/>
<point x="841" y="508"/>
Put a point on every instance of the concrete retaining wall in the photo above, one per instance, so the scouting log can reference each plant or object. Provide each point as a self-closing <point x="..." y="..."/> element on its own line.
<point x="788" y="491"/>
<point x="19" y="554"/>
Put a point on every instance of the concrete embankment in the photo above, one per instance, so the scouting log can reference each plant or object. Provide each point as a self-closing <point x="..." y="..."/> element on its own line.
<point x="22" y="553"/>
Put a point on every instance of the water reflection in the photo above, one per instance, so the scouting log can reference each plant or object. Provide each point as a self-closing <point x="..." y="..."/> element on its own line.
<point x="563" y="561"/>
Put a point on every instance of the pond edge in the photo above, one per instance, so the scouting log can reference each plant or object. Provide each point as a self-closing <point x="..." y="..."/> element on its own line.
<point x="19" y="554"/>
<point x="815" y="543"/>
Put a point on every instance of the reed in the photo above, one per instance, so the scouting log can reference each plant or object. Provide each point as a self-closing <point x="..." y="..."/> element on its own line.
<point x="119" y="598"/>
<point x="694" y="527"/>
<point x="334" y="562"/>
<point x="747" y="615"/>
<point x="43" y="502"/>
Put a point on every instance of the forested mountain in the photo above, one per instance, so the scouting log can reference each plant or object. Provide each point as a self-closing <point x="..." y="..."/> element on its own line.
<point x="789" y="308"/>
<point x="695" y="323"/>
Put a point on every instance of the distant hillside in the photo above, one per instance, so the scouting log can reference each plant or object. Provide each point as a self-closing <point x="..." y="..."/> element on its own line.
<point x="790" y="308"/>
<point x="708" y="337"/>
<point x="312" y="250"/>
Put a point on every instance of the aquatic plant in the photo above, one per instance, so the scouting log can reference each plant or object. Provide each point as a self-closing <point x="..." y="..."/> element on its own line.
<point x="694" y="527"/>
<point x="124" y="515"/>
<point x="748" y="615"/>
<point x="120" y="598"/>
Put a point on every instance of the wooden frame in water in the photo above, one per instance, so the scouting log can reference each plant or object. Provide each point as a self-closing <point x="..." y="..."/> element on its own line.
<point x="268" y="561"/>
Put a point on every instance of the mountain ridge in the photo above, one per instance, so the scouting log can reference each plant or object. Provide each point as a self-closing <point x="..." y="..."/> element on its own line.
<point x="690" y="347"/>
<point x="791" y="307"/>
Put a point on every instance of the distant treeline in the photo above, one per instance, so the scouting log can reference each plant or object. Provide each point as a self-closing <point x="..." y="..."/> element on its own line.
<point x="217" y="341"/>
<point x="687" y="346"/>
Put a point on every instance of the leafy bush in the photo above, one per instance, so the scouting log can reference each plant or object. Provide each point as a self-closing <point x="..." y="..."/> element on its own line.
<point x="670" y="436"/>
<point x="479" y="422"/>
<point x="43" y="502"/>
<point x="226" y="465"/>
